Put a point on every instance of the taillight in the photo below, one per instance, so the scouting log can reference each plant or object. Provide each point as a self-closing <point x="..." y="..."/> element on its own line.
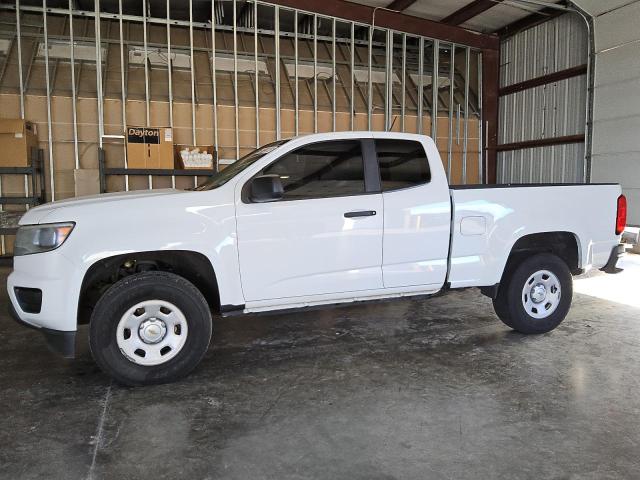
<point x="621" y="214"/>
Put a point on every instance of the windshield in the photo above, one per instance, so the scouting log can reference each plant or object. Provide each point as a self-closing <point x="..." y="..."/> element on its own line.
<point x="238" y="166"/>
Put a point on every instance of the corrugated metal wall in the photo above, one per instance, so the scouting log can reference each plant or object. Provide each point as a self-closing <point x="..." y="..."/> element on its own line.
<point x="553" y="110"/>
<point x="615" y="155"/>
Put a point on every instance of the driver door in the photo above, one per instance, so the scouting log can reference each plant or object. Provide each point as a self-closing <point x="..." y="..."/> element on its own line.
<point x="324" y="237"/>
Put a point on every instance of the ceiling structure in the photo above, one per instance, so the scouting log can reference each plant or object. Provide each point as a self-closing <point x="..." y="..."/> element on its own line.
<point x="484" y="16"/>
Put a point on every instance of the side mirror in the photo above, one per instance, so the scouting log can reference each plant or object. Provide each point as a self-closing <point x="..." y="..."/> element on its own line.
<point x="266" y="188"/>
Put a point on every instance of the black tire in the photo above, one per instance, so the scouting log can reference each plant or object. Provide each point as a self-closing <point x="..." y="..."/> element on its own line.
<point x="502" y="309"/>
<point x="509" y="305"/>
<point x="130" y="291"/>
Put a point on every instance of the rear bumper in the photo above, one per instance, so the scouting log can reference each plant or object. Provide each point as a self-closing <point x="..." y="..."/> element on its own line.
<point x="58" y="341"/>
<point x="611" y="266"/>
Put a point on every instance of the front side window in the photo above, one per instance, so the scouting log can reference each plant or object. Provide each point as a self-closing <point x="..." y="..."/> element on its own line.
<point x="223" y="176"/>
<point x="323" y="169"/>
<point x="403" y="163"/>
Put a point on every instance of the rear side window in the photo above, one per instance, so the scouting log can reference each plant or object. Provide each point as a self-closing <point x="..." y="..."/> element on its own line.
<point x="323" y="169"/>
<point x="403" y="163"/>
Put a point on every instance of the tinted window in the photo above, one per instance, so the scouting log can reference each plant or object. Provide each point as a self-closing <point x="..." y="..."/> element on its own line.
<point x="403" y="163"/>
<point x="324" y="169"/>
<point x="238" y="166"/>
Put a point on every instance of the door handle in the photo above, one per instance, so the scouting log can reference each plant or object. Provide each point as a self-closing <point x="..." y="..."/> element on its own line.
<point x="361" y="213"/>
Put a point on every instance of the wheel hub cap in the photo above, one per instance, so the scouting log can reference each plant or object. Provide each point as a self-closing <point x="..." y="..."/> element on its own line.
<point x="541" y="294"/>
<point x="152" y="330"/>
<point x="538" y="293"/>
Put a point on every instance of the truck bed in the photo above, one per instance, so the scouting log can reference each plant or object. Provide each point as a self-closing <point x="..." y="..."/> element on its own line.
<point x="487" y="220"/>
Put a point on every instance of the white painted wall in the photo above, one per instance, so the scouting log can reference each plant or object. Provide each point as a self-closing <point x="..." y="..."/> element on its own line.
<point x="616" y="122"/>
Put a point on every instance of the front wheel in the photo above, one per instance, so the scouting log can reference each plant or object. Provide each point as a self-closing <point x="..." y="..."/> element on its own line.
<point x="151" y="327"/>
<point x="536" y="295"/>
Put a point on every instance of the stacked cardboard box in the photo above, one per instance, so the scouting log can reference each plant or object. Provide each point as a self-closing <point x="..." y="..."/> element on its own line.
<point x="17" y="138"/>
<point x="150" y="147"/>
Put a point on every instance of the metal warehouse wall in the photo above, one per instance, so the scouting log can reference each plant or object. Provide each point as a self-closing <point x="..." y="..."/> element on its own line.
<point x="616" y="111"/>
<point x="549" y="111"/>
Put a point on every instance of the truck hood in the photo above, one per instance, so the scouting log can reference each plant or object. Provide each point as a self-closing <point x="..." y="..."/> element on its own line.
<point x="40" y="214"/>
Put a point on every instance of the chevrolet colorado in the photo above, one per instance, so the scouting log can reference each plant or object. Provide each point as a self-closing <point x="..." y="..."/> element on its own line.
<point x="319" y="219"/>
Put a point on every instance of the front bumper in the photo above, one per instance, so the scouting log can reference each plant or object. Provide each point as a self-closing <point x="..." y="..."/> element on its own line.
<point x="616" y="253"/>
<point x="58" y="341"/>
<point x="43" y="291"/>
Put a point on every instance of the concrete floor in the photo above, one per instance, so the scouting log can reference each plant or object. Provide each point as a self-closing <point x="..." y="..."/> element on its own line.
<point x="401" y="390"/>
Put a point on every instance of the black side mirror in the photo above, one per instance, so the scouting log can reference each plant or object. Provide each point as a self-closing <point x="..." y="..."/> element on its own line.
<point x="266" y="188"/>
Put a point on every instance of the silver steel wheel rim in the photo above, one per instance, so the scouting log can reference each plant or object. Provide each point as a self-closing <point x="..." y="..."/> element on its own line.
<point x="152" y="332"/>
<point x="541" y="294"/>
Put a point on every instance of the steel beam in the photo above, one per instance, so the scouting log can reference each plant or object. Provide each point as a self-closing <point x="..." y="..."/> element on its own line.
<point x="394" y="21"/>
<point x="52" y="182"/>
<point x="400" y="5"/>
<point x="544" y="80"/>
<point x="529" y="21"/>
<point x="542" y="142"/>
<point x="72" y="64"/>
<point x="469" y="11"/>
<point x="490" y="82"/>
<point x="213" y="80"/>
<point x="123" y="89"/>
<point x="20" y="76"/>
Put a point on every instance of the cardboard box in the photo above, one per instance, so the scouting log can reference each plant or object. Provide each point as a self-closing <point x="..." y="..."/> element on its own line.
<point x="150" y="147"/>
<point x="203" y="149"/>
<point x="17" y="138"/>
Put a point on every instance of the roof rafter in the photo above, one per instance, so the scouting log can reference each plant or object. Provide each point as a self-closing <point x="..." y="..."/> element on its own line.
<point x="400" y="5"/>
<point x="469" y="11"/>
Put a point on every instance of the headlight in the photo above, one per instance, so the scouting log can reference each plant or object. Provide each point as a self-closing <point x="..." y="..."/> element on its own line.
<point x="41" y="238"/>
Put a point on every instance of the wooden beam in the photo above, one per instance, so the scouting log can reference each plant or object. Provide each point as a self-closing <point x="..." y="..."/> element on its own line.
<point x="530" y="21"/>
<point x="400" y="5"/>
<point x="544" y="80"/>
<point x="542" y="142"/>
<point x="469" y="11"/>
<point x="394" y="20"/>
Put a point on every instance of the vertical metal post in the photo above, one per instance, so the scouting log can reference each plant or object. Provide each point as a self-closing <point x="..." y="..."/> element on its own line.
<point x="333" y="74"/>
<point x="123" y="91"/>
<point x="146" y="62"/>
<point x="257" y="79"/>
<point x="48" y="85"/>
<point x="370" y="85"/>
<point x="97" y="24"/>
<point x="277" y="61"/>
<point x="452" y="70"/>
<point x="466" y="114"/>
<point x="193" y="75"/>
<point x="315" y="73"/>
<point x="213" y="79"/>
<point x="295" y="71"/>
<point x="388" y="95"/>
<point x="170" y="67"/>
<point x="72" y="64"/>
<point x="235" y="76"/>
<point x="480" y="129"/>
<point x="435" y="89"/>
<point x="20" y="76"/>
<point x="170" y="79"/>
<point x="146" y="75"/>
<point x="21" y="83"/>
<point x="404" y="81"/>
<point x="420" y="82"/>
<point x="353" y="61"/>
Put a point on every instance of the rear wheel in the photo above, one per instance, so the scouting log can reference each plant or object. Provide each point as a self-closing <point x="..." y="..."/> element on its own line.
<point x="152" y="327"/>
<point x="535" y="295"/>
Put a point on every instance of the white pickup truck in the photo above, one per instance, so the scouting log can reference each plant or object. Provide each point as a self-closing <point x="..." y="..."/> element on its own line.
<point x="314" y="220"/>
